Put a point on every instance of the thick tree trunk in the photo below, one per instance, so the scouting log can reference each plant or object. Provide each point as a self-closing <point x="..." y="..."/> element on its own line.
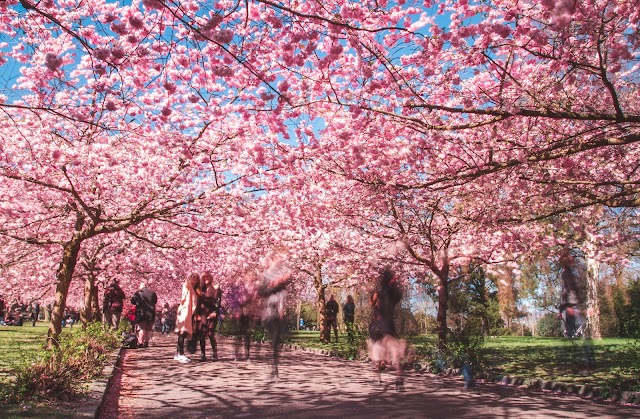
<point x="86" y="313"/>
<point x="319" y="286"/>
<point x="443" y="306"/>
<point x="64" y="275"/>
<point x="95" y="305"/>
<point x="593" y="301"/>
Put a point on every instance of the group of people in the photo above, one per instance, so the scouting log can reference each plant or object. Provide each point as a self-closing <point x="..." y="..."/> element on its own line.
<point x="385" y="347"/>
<point x="331" y="309"/>
<point x="142" y="312"/>
<point x="199" y="312"/>
<point x="17" y="313"/>
<point x="198" y="315"/>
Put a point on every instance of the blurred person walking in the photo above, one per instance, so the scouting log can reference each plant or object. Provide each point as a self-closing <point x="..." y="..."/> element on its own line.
<point x="242" y="306"/>
<point x="273" y="292"/>
<point x="35" y="313"/>
<point x="384" y="345"/>
<point x="165" y="318"/>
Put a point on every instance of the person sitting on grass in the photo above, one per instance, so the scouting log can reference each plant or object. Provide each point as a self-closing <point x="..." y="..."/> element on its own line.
<point x="13" y="319"/>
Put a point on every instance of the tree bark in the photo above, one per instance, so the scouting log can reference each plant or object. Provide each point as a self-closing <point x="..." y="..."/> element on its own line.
<point x="86" y="314"/>
<point x="506" y="297"/>
<point x="95" y="306"/>
<point x="593" y="301"/>
<point x="320" y="302"/>
<point x="443" y="306"/>
<point x="64" y="274"/>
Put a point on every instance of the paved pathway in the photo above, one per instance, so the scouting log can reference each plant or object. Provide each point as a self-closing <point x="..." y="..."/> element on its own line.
<point x="151" y="384"/>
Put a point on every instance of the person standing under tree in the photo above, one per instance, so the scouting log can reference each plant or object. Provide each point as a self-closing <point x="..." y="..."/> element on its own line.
<point x="207" y="314"/>
<point x="331" y="317"/>
<point x="165" y="318"/>
<point x="113" y="304"/>
<point x="571" y="297"/>
<point x="349" y="316"/>
<point x="35" y="313"/>
<point x="145" y="301"/>
<point x="184" y="316"/>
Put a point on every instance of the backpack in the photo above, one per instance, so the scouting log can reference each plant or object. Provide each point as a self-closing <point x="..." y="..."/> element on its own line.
<point x="130" y="342"/>
<point x="191" y="345"/>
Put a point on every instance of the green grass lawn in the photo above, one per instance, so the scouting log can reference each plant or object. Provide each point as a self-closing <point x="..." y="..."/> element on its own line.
<point x="611" y="362"/>
<point x="19" y="344"/>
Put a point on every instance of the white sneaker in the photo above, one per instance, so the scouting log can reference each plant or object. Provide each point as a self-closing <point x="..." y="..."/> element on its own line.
<point x="182" y="359"/>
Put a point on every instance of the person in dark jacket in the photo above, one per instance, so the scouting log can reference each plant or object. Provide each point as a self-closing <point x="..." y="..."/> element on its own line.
<point x="145" y="301"/>
<point x="35" y="313"/>
<point x="113" y="304"/>
<point x="207" y="314"/>
<point x="331" y="317"/>
<point x="349" y="317"/>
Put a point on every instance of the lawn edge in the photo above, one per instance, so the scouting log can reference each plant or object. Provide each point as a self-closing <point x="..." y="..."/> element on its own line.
<point x="98" y="389"/>
<point x="584" y="391"/>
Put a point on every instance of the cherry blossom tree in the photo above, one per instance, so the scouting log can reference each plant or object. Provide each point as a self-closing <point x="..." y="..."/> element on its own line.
<point x="153" y="119"/>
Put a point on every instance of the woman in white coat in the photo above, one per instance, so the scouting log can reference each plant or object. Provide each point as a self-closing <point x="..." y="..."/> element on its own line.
<point x="184" y="320"/>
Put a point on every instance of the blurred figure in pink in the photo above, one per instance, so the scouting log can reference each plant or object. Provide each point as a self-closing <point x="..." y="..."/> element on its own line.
<point x="383" y="343"/>
<point x="242" y="304"/>
<point x="273" y="292"/>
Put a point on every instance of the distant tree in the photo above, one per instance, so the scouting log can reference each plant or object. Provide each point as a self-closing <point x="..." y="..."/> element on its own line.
<point x="549" y="325"/>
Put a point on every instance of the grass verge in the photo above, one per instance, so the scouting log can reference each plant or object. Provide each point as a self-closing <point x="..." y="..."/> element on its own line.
<point x="35" y="382"/>
<point x="612" y="363"/>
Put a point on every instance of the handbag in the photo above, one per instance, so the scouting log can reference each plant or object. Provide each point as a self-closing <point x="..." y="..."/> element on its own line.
<point x="191" y="345"/>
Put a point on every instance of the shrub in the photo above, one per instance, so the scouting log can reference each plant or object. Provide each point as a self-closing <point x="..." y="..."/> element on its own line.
<point x="463" y="346"/>
<point x="60" y="373"/>
<point x="549" y="326"/>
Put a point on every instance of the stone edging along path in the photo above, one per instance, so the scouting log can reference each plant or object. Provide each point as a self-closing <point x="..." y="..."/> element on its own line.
<point x="585" y="391"/>
<point x="90" y="407"/>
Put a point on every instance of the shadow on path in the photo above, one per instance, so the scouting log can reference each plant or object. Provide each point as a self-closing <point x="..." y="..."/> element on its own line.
<point x="151" y="384"/>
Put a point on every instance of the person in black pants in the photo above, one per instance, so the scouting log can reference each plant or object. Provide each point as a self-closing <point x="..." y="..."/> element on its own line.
<point x="331" y="317"/>
<point x="349" y="316"/>
<point x="145" y="301"/>
<point x="35" y="313"/>
<point x="184" y="315"/>
<point x="207" y="314"/>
